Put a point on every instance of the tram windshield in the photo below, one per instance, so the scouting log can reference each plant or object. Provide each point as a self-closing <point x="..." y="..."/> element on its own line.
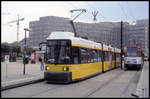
<point x="58" y="52"/>
<point x="131" y="52"/>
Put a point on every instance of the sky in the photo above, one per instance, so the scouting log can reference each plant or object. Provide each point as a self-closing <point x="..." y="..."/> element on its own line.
<point x="32" y="10"/>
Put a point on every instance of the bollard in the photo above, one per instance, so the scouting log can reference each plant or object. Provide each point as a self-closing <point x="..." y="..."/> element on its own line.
<point x="144" y="92"/>
<point x="24" y="68"/>
<point x="6" y="62"/>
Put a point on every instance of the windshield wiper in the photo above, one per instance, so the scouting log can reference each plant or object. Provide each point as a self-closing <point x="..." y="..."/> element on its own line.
<point x="51" y="61"/>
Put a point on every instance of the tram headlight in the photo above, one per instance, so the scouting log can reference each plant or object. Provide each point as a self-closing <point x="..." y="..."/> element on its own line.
<point x="46" y="68"/>
<point x="65" y="68"/>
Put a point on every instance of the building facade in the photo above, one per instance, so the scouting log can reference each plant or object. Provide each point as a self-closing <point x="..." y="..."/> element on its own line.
<point x="106" y="32"/>
<point x="42" y="29"/>
<point x="137" y="34"/>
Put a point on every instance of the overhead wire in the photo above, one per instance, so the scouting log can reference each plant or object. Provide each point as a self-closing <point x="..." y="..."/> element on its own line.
<point x="131" y="12"/>
<point x="123" y="11"/>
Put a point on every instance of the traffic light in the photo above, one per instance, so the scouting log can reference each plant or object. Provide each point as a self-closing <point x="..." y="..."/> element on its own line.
<point x="25" y="60"/>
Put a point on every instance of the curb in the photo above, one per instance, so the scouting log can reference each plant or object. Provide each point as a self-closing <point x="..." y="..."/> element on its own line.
<point x="139" y="89"/>
<point x="21" y="84"/>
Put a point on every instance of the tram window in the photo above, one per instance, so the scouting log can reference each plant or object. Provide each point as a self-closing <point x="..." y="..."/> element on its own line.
<point x="109" y="56"/>
<point x="106" y="56"/>
<point x="84" y="55"/>
<point x="113" y="56"/>
<point x="99" y="56"/>
<point x="75" y="55"/>
<point x="58" y="43"/>
<point x="58" y="52"/>
<point x="102" y="56"/>
<point x="98" y="53"/>
<point x="89" y="55"/>
<point x="95" y="56"/>
<point x="117" y="56"/>
<point x="64" y="56"/>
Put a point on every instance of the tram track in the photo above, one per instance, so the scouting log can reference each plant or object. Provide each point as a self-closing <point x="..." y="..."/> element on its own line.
<point x="47" y="90"/>
<point x="71" y="85"/>
<point x="53" y="87"/>
<point x="103" y="85"/>
<point x="110" y="81"/>
<point x="132" y="80"/>
<point x="89" y="88"/>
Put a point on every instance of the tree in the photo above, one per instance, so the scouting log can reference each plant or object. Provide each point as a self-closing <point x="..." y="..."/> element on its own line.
<point x="16" y="49"/>
<point x="29" y="50"/>
<point x="5" y="50"/>
<point x="5" y="47"/>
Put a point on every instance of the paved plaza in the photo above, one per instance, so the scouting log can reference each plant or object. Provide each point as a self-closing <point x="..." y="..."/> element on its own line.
<point x="15" y="70"/>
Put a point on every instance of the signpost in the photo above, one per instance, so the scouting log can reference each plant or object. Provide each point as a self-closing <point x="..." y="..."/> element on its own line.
<point x="25" y="59"/>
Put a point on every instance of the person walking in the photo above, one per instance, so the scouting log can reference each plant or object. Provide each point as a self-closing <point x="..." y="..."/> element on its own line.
<point x="41" y="59"/>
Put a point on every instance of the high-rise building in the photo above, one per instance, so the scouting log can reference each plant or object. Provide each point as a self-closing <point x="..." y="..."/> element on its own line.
<point x="99" y="32"/>
<point x="137" y="34"/>
<point x="105" y="32"/>
<point x="41" y="29"/>
<point x="142" y="21"/>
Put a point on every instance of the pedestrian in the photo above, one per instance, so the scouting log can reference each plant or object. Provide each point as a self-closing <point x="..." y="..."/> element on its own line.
<point x="41" y="59"/>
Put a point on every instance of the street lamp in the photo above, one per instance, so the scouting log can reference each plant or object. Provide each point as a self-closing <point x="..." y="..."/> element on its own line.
<point x="25" y="58"/>
<point x="121" y="42"/>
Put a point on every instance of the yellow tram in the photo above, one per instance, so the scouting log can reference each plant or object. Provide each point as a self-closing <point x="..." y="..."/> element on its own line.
<point x="70" y="58"/>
